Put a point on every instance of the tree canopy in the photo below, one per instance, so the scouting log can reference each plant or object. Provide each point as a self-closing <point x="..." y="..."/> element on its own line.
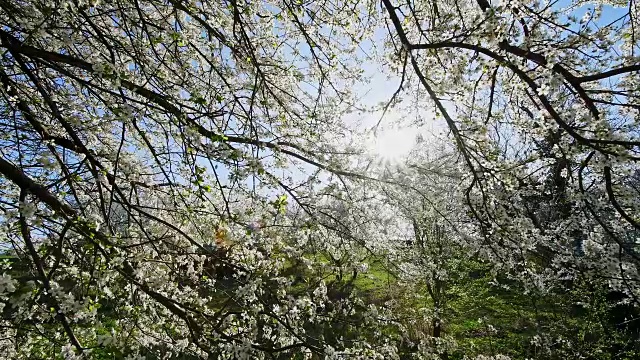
<point x="178" y="179"/>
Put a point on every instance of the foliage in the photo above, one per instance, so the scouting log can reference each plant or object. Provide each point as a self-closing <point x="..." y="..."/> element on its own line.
<point x="177" y="179"/>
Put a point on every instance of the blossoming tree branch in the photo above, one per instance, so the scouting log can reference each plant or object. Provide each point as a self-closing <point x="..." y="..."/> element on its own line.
<point x="179" y="179"/>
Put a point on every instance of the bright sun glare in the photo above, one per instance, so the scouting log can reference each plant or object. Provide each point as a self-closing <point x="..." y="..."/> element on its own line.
<point x="393" y="144"/>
